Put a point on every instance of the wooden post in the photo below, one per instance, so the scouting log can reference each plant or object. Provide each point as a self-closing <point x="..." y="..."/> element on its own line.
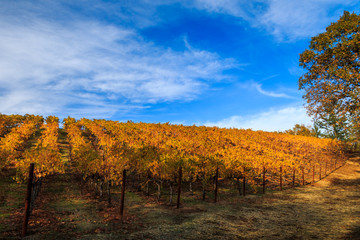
<point x="122" y="194"/>
<point x="216" y="184"/>
<point x="70" y="152"/>
<point x="264" y="179"/>
<point x="281" y="178"/>
<point x="203" y="191"/>
<point x="244" y="182"/>
<point x="303" y="175"/>
<point x="171" y="192"/>
<point x="158" y="184"/>
<point x="244" y="186"/>
<point x="313" y="173"/>
<point x="239" y="185"/>
<point x="325" y="168"/>
<point x="179" y="188"/>
<point x="293" y="180"/>
<point x="28" y="200"/>
<point x="190" y="185"/>
<point x="109" y="192"/>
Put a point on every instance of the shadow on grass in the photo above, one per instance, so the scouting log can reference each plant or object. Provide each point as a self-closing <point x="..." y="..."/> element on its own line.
<point x="355" y="234"/>
<point x="345" y="182"/>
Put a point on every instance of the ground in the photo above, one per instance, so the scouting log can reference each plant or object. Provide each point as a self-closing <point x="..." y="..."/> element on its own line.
<point x="67" y="209"/>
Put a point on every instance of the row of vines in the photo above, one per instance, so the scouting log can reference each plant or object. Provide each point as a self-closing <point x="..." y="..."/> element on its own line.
<point x="103" y="151"/>
<point x="30" y="139"/>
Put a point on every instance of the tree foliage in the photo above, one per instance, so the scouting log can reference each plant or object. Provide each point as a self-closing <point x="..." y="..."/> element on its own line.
<point x="302" y="130"/>
<point x="331" y="81"/>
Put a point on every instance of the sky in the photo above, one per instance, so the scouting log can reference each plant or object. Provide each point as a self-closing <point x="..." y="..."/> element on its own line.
<point x="229" y="63"/>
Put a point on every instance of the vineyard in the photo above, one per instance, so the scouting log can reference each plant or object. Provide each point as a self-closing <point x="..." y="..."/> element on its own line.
<point x="158" y="160"/>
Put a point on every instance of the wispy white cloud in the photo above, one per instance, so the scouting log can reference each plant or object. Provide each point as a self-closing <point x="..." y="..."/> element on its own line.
<point x="48" y="66"/>
<point x="296" y="70"/>
<point x="286" y="20"/>
<point x="259" y="88"/>
<point x="237" y="8"/>
<point x="279" y="93"/>
<point x="271" y="120"/>
<point x="289" y="20"/>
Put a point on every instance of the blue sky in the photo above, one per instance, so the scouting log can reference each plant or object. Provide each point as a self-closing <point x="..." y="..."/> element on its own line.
<point x="204" y="62"/>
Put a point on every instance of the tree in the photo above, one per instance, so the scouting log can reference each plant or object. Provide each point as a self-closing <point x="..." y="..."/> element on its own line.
<point x="302" y="130"/>
<point x="331" y="83"/>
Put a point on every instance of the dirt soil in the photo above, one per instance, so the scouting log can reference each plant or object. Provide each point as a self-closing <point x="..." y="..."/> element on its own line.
<point x="330" y="209"/>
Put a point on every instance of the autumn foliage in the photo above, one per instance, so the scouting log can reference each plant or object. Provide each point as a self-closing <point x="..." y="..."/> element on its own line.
<point x="100" y="150"/>
<point x="19" y="131"/>
<point x="16" y="151"/>
<point x="154" y="152"/>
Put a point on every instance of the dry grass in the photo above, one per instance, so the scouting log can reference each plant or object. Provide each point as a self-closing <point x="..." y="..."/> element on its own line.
<point x="330" y="209"/>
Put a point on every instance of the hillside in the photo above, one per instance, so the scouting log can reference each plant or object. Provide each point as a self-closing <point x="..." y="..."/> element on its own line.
<point x="81" y="168"/>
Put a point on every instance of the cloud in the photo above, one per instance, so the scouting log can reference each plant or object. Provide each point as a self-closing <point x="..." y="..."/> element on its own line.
<point x="271" y="120"/>
<point x="290" y="20"/>
<point x="296" y="71"/>
<point x="284" y="19"/>
<point x="250" y="85"/>
<point x="259" y="88"/>
<point x="238" y="8"/>
<point x="48" y="67"/>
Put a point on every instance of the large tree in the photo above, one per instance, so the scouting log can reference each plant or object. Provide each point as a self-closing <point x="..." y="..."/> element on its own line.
<point x="332" y="78"/>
